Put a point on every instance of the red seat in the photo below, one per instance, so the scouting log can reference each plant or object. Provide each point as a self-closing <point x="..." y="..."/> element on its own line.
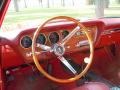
<point x="93" y="86"/>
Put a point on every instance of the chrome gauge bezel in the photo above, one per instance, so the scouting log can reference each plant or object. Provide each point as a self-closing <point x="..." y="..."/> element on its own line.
<point x="44" y="36"/>
<point x="49" y="37"/>
<point x="22" y="39"/>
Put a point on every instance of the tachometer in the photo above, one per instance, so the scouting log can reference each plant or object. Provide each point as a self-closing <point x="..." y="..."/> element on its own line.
<point x="41" y="39"/>
<point x="26" y="42"/>
<point x="54" y="37"/>
<point x="65" y="33"/>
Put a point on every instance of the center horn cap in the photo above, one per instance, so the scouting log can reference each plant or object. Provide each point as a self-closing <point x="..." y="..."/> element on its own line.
<point x="58" y="50"/>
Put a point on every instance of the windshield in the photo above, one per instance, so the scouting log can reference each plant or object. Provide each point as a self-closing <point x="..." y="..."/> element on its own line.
<point x="29" y="12"/>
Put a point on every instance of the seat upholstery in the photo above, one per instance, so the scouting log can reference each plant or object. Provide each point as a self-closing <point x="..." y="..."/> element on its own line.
<point x="93" y="86"/>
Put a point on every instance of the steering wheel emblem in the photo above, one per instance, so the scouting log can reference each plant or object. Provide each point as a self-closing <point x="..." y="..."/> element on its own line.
<point x="58" y="50"/>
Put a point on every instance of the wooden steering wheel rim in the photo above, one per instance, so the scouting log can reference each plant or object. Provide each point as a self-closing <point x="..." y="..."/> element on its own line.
<point x="40" y="67"/>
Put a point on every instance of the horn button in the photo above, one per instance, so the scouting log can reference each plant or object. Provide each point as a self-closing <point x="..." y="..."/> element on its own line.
<point x="58" y="50"/>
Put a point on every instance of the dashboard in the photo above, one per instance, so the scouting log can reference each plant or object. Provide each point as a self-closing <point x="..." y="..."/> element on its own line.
<point x="17" y="44"/>
<point x="76" y="43"/>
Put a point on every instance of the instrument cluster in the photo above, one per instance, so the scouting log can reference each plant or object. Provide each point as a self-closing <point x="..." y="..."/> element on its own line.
<point x="53" y="37"/>
<point x="76" y="43"/>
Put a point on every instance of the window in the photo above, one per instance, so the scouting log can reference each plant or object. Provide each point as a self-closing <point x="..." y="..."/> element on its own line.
<point x="29" y="12"/>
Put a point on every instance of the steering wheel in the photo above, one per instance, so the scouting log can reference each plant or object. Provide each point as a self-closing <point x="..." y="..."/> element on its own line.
<point x="59" y="50"/>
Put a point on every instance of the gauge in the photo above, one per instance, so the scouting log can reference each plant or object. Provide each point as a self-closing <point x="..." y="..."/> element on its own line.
<point x="65" y="33"/>
<point x="54" y="37"/>
<point x="26" y="42"/>
<point x="41" y="39"/>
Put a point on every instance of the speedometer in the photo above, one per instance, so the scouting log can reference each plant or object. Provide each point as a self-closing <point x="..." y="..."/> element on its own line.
<point x="41" y="39"/>
<point x="26" y="42"/>
<point x="54" y="37"/>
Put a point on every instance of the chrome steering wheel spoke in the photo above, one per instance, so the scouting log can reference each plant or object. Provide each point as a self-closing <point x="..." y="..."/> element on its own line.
<point x="44" y="47"/>
<point x="67" y="64"/>
<point x="69" y="36"/>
